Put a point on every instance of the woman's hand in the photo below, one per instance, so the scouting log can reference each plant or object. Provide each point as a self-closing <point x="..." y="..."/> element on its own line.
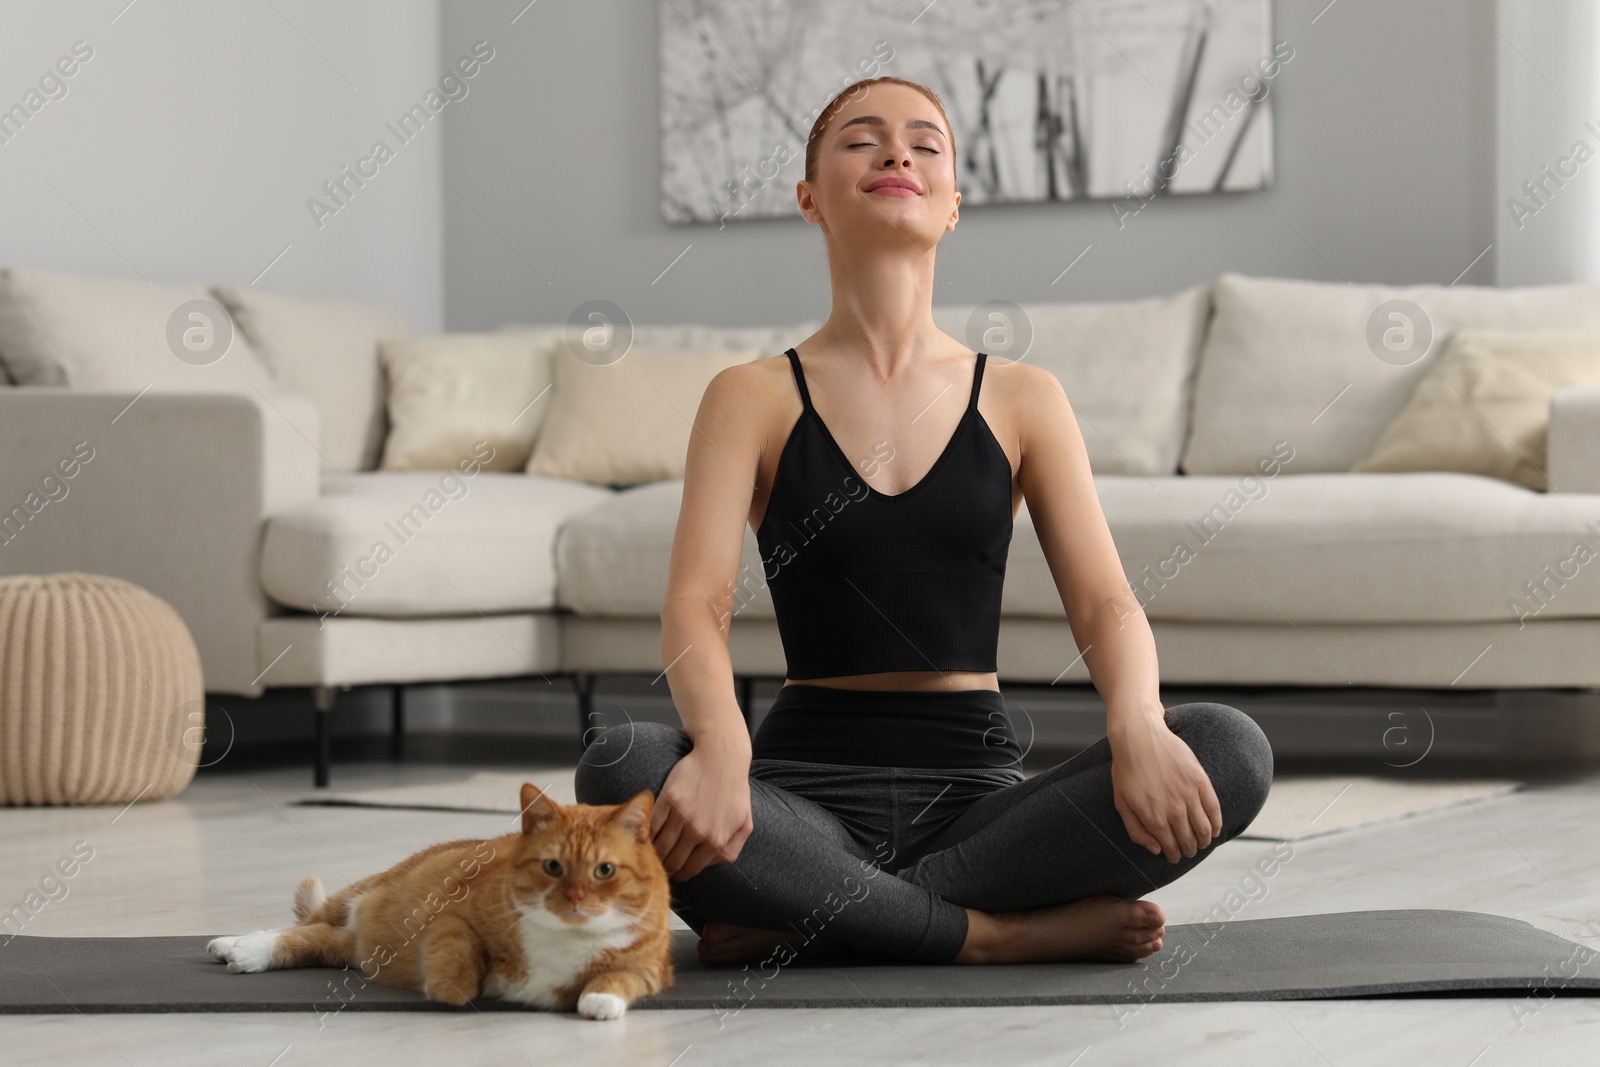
<point x="1163" y="794"/>
<point x="702" y="815"/>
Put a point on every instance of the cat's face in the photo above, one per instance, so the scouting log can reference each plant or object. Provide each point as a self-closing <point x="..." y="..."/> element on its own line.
<point x="585" y="865"/>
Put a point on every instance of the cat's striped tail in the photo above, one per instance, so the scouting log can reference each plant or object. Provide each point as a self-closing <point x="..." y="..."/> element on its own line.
<point x="308" y="897"/>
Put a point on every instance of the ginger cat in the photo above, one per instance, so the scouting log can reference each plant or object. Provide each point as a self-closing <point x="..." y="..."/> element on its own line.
<point x="572" y="912"/>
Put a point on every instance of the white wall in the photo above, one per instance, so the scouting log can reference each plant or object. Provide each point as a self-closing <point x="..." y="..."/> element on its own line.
<point x="1547" y="210"/>
<point x="186" y="148"/>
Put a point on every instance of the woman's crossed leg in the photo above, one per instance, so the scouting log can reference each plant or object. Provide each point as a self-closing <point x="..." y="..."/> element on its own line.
<point x="1044" y="865"/>
<point x="801" y="869"/>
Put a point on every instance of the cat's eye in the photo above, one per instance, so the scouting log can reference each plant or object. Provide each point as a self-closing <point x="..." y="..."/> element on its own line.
<point x="552" y="868"/>
<point x="605" y="870"/>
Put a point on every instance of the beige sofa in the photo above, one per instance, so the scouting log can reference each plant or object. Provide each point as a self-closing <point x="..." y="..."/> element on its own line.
<point x="1220" y="423"/>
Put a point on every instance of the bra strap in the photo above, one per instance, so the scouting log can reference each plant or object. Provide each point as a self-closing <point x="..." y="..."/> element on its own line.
<point x="977" y="380"/>
<point x="799" y="378"/>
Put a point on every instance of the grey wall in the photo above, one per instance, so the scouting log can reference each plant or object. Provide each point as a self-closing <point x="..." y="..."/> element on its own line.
<point x="186" y="148"/>
<point x="1385" y="130"/>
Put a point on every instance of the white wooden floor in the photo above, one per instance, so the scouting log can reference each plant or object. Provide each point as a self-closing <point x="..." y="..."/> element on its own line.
<point x="224" y="856"/>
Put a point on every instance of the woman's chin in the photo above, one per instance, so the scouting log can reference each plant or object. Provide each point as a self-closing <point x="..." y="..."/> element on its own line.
<point x="901" y="225"/>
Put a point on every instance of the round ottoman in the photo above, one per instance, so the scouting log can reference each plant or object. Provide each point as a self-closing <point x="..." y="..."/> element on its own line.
<point x="101" y="698"/>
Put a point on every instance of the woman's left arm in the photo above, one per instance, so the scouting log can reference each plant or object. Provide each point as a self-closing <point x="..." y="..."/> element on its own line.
<point x="1162" y="793"/>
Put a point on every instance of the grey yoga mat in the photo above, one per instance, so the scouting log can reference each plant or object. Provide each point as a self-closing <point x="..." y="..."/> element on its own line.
<point x="1301" y="957"/>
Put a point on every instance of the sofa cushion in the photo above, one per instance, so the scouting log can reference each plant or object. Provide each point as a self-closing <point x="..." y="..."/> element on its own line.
<point x="1484" y="405"/>
<point x="1127" y="369"/>
<point x="448" y="393"/>
<point x="109" y="334"/>
<point x="626" y="422"/>
<point x="1291" y="361"/>
<point x="1336" y="548"/>
<point x="397" y="543"/>
<point x="1319" y="548"/>
<point x="612" y="559"/>
<point x="327" y="350"/>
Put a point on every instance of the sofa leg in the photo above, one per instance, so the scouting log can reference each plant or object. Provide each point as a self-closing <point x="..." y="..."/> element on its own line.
<point x="322" y="697"/>
<point x="397" y="722"/>
<point x="583" y="685"/>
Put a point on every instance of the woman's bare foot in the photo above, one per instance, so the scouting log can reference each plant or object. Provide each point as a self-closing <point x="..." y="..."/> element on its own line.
<point x="722" y="942"/>
<point x="1101" y="927"/>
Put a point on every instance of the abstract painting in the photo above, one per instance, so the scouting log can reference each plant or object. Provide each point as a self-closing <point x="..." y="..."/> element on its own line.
<point x="1048" y="99"/>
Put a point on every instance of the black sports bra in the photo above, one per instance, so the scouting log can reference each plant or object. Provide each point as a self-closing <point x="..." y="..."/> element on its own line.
<point x="864" y="582"/>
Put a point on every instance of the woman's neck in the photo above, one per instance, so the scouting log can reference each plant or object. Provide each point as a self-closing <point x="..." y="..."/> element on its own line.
<point x="882" y="304"/>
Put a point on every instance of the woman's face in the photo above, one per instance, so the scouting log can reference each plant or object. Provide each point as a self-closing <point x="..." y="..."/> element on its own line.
<point x="884" y="164"/>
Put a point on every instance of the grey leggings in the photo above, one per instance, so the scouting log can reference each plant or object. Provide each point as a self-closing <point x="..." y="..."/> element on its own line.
<point x="886" y="859"/>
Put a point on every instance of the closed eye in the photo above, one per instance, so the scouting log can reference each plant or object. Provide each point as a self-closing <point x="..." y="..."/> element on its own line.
<point x="870" y="144"/>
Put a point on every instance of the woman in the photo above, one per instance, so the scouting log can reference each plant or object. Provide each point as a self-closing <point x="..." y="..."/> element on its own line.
<point x="881" y="807"/>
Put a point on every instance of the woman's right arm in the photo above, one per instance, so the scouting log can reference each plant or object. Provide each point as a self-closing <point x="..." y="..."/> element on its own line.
<point x="702" y="815"/>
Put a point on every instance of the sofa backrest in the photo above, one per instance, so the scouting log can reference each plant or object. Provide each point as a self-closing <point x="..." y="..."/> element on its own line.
<point x="769" y="340"/>
<point x="88" y="332"/>
<point x="326" y="350"/>
<point x="1309" y="363"/>
<point x="96" y="333"/>
<point x="1127" y="367"/>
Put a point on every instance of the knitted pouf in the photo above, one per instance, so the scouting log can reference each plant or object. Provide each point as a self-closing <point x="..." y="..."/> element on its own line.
<point x="101" y="698"/>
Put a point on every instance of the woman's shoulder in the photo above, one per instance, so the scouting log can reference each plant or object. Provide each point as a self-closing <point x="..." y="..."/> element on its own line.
<point x="752" y="379"/>
<point x="750" y="393"/>
<point x="1017" y="377"/>
<point x="1021" y="400"/>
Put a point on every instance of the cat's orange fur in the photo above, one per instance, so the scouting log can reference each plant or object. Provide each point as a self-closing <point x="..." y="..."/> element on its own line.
<point x="487" y="918"/>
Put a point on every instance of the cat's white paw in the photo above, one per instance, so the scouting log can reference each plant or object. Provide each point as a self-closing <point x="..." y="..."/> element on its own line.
<point x="601" y="1006"/>
<point x="247" y="953"/>
<point x="219" y="948"/>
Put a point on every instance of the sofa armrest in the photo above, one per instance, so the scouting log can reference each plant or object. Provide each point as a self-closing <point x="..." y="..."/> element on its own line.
<point x="1573" y="459"/>
<point x="166" y="490"/>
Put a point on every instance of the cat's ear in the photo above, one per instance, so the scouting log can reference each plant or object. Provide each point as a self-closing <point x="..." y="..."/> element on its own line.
<point x="537" y="807"/>
<point x="634" y="816"/>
